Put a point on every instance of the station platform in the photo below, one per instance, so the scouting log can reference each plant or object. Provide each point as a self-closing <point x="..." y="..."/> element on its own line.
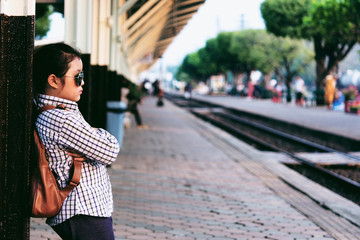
<point x="318" y="118"/>
<point x="184" y="179"/>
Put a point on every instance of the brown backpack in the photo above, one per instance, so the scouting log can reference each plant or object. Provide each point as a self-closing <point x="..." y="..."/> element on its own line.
<point x="46" y="198"/>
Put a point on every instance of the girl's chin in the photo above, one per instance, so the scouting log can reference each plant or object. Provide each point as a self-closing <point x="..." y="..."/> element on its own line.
<point x="74" y="99"/>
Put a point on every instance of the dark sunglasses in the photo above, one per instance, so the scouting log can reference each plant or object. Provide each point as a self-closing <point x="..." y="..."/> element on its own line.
<point x="78" y="78"/>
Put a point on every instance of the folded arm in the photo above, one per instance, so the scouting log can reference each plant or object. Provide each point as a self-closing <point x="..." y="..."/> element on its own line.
<point x="95" y="144"/>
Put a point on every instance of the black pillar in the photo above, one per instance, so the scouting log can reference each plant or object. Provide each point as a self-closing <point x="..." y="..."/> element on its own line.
<point x="85" y="100"/>
<point x="99" y="83"/>
<point x="114" y="86"/>
<point x="16" y="53"/>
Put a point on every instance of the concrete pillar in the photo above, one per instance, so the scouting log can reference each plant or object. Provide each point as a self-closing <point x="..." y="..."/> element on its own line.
<point x="119" y="12"/>
<point x="114" y="37"/>
<point x="118" y="59"/>
<point x="16" y="51"/>
<point x="78" y="24"/>
<point x="102" y="23"/>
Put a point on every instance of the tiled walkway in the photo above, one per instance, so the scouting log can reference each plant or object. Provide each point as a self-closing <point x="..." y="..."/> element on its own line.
<point x="172" y="183"/>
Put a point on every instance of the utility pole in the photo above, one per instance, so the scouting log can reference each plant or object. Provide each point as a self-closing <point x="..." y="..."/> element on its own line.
<point x="242" y="22"/>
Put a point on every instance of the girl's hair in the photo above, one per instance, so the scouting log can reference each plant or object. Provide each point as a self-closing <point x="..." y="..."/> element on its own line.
<point x="51" y="59"/>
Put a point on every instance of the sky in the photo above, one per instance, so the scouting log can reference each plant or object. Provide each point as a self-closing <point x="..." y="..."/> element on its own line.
<point x="213" y="17"/>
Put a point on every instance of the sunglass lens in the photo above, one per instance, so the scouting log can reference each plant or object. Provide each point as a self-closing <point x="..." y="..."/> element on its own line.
<point x="79" y="78"/>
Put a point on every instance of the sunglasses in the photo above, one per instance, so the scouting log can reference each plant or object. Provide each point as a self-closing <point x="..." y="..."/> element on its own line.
<point x="78" y="78"/>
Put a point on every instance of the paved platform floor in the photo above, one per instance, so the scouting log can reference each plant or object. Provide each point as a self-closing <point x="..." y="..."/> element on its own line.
<point x="179" y="180"/>
<point x="319" y="118"/>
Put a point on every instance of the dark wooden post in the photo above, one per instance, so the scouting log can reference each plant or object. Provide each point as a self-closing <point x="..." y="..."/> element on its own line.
<point x="113" y="87"/>
<point x="85" y="101"/>
<point x="99" y="80"/>
<point x="16" y="53"/>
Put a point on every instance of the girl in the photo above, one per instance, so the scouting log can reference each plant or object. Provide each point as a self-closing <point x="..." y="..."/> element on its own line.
<point x="58" y="79"/>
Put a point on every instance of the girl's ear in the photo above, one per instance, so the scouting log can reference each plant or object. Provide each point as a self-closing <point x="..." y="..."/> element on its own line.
<point x="53" y="81"/>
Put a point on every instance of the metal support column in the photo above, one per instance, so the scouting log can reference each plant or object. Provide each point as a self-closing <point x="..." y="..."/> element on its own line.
<point x="16" y="51"/>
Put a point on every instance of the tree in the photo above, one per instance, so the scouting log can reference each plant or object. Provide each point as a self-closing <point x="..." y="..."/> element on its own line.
<point x="227" y="59"/>
<point x="294" y="56"/>
<point x="253" y="51"/>
<point x="189" y="67"/>
<point x="244" y="51"/>
<point x="285" y="17"/>
<point x="192" y="68"/>
<point x="42" y="21"/>
<point x="333" y="25"/>
<point x="183" y="76"/>
<point x="207" y="65"/>
<point x="221" y="54"/>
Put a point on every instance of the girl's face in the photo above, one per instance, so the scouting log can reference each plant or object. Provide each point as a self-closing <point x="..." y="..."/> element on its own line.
<point x="70" y="90"/>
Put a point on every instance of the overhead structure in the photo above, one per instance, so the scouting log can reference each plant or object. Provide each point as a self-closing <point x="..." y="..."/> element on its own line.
<point x="151" y="25"/>
<point x="128" y="36"/>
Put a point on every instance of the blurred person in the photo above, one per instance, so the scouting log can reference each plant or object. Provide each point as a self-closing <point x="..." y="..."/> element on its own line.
<point x="279" y="90"/>
<point x="156" y="88"/>
<point x="277" y="93"/>
<point x="145" y="86"/>
<point x="159" y="93"/>
<point x="299" y="88"/>
<point x="339" y="99"/>
<point x="160" y="101"/>
<point x="187" y="90"/>
<point x="134" y="97"/>
<point x="330" y="83"/>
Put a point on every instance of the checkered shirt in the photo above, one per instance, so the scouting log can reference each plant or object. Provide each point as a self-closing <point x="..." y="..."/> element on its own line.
<point x="61" y="130"/>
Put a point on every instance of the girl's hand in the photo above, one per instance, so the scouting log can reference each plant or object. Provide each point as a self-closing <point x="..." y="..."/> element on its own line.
<point x="76" y="155"/>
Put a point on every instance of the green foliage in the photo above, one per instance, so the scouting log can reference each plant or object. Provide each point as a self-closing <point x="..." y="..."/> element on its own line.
<point x="201" y="64"/>
<point x="285" y="17"/>
<point x="42" y="21"/>
<point x="207" y="66"/>
<point x="294" y="55"/>
<point x="244" y="51"/>
<point x="350" y="93"/>
<point x="253" y="50"/>
<point x="226" y="60"/>
<point x="182" y="76"/>
<point x="334" y="20"/>
<point x="189" y="69"/>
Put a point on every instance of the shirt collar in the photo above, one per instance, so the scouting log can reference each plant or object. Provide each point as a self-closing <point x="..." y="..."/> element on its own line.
<point x="43" y="100"/>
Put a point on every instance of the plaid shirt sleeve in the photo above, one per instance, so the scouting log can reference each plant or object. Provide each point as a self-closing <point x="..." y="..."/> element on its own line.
<point x="96" y="144"/>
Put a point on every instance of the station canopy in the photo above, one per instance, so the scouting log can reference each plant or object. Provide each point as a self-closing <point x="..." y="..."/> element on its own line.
<point x="147" y="27"/>
<point x="152" y="25"/>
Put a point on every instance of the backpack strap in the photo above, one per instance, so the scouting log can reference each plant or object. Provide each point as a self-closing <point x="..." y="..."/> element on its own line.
<point x="49" y="107"/>
<point x="75" y="165"/>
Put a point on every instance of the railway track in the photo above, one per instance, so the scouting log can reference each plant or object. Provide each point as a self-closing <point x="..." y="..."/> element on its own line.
<point x="265" y="137"/>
